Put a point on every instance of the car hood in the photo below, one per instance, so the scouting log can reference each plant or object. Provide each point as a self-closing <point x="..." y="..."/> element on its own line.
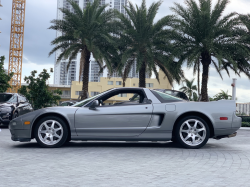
<point x="57" y="110"/>
<point x="5" y="105"/>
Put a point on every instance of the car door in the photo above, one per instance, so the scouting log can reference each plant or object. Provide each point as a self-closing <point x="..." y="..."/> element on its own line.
<point x="113" y="120"/>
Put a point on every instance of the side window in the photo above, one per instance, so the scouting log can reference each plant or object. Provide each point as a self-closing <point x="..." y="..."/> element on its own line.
<point x="165" y="98"/>
<point x="123" y="98"/>
<point x="110" y="82"/>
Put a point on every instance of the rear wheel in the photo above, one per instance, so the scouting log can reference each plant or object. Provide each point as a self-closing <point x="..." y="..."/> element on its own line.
<point x="51" y="132"/>
<point x="192" y="132"/>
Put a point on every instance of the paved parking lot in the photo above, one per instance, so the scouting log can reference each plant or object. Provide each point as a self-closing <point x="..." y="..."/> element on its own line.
<point x="220" y="163"/>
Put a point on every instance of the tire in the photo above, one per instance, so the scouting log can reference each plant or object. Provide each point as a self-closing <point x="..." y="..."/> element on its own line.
<point x="190" y="136"/>
<point x="174" y="140"/>
<point x="51" y="132"/>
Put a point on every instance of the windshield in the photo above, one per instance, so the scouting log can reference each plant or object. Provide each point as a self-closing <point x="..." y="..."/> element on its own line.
<point x="85" y="101"/>
<point x="164" y="97"/>
<point x="5" y="97"/>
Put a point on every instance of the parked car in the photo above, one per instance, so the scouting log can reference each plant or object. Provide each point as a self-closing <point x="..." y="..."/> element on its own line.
<point x="68" y="103"/>
<point x="12" y="105"/>
<point x="175" y="93"/>
<point x="156" y="117"/>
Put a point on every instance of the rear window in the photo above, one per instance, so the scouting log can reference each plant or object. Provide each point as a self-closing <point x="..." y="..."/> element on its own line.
<point x="177" y="94"/>
<point x="164" y="97"/>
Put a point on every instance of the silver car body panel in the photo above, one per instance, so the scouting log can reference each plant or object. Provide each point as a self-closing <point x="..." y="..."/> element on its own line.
<point x="153" y="121"/>
<point x="109" y="121"/>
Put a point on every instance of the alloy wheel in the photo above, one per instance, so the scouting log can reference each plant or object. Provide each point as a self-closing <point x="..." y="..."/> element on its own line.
<point x="50" y="132"/>
<point x="192" y="132"/>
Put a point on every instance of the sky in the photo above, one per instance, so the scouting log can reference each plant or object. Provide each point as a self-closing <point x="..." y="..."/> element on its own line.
<point x="37" y="38"/>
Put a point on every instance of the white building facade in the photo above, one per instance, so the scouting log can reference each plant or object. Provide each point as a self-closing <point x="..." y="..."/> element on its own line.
<point x="243" y="108"/>
<point x="64" y="77"/>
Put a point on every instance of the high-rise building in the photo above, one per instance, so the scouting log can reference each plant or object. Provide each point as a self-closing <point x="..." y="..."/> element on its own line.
<point x="0" y="6"/>
<point x="62" y="76"/>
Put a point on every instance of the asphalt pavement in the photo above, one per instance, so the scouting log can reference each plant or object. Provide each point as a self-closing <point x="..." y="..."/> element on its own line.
<point x="224" y="162"/>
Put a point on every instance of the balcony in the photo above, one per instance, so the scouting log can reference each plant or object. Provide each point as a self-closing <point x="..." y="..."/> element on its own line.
<point x="65" y="96"/>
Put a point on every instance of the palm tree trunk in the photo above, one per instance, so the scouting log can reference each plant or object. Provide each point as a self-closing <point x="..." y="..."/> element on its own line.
<point x="206" y="61"/>
<point x="198" y="78"/>
<point x="142" y="75"/>
<point x="85" y="56"/>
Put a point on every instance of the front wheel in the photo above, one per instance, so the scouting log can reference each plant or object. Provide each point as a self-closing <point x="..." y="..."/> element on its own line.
<point x="192" y="132"/>
<point x="51" y="132"/>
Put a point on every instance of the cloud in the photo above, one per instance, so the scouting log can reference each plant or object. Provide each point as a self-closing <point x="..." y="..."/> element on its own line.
<point x="37" y="37"/>
<point x="37" y="40"/>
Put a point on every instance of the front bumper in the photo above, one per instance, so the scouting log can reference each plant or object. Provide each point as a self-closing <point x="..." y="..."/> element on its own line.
<point x="19" y="132"/>
<point x="20" y="135"/>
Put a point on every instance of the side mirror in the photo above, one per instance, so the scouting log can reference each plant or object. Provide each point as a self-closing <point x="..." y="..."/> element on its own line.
<point x="149" y="101"/>
<point x="94" y="104"/>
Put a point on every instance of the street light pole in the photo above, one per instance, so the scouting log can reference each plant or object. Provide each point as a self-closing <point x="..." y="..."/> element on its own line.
<point x="234" y="89"/>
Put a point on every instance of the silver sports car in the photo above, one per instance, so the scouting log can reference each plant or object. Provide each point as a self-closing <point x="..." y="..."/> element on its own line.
<point x="129" y="114"/>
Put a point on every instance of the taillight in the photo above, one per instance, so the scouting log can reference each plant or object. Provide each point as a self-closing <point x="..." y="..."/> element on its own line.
<point x="223" y="118"/>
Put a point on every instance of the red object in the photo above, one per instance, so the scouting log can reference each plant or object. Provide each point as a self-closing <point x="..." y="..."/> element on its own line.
<point x="223" y="118"/>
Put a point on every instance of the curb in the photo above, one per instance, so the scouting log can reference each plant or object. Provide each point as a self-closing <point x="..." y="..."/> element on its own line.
<point x="245" y="128"/>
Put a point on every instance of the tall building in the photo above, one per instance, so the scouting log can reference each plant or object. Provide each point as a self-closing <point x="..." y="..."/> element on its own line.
<point x="0" y="6"/>
<point x="64" y="77"/>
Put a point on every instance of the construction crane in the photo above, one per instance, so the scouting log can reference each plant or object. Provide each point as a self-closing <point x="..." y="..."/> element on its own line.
<point x="16" y="44"/>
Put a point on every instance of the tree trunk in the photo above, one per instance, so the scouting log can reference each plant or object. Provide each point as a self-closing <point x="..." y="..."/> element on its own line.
<point x="198" y="80"/>
<point x="85" y="56"/>
<point x="206" y="61"/>
<point x="142" y="75"/>
<point x="123" y="83"/>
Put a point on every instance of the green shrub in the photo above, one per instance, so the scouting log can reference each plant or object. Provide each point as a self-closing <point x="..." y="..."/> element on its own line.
<point x="245" y="124"/>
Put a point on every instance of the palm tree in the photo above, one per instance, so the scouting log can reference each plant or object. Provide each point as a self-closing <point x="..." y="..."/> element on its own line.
<point x="243" y="64"/>
<point x="245" y="19"/>
<point x="147" y="42"/>
<point x="222" y="95"/>
<point x="86" y="31"/>
<point x="202" y="35"/>
<point x="189" y="88"/>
